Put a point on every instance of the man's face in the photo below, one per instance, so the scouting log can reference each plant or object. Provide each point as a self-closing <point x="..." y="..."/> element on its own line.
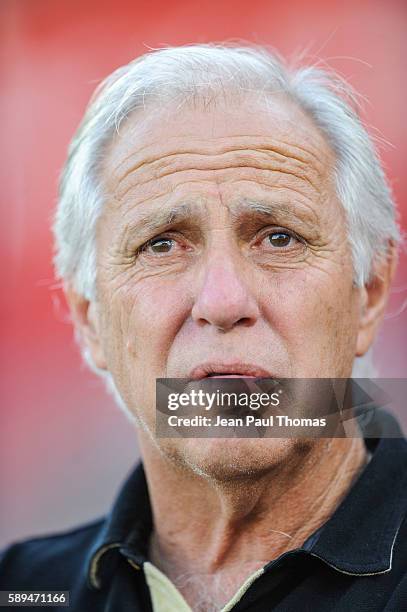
<point x="222" y="247"/>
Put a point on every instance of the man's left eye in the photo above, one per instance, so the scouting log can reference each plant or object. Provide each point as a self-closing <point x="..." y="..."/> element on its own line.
<point x="279" y="239"/>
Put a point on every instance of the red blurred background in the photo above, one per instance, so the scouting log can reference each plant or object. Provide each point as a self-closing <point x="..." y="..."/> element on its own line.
<point x="64" y="446"/>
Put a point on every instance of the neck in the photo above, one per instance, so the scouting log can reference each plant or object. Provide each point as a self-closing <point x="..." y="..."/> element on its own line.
<point x="208" y="527"/>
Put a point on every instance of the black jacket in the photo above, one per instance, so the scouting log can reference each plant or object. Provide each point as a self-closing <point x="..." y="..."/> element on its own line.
<point x="356" y="562"/>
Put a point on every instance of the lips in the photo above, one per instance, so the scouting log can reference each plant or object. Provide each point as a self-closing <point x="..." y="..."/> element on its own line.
<point x="228" y="370"/>
<point x="229" y="376"/>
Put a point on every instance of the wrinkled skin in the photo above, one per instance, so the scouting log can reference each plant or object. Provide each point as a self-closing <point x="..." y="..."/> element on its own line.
<point x="253" y="266"/>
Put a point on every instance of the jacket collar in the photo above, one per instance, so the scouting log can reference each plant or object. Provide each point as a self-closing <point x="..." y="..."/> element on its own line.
<point x="358" y="539"/>
<point x="125" y="531"/>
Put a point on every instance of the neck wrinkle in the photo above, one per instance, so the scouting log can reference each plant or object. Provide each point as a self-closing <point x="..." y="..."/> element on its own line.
<point x="202" y="528"/>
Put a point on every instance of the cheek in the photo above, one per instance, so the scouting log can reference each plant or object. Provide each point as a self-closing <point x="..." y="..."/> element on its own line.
<point x="145" y="318"/>
<point x="315" y="317"/>
<point x="139" y="326"/>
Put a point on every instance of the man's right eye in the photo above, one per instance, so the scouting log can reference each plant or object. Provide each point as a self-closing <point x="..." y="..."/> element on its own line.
<point x="158" y="245"/>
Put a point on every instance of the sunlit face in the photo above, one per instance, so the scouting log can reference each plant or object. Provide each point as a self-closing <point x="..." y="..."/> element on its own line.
<point x="223" y="245"/>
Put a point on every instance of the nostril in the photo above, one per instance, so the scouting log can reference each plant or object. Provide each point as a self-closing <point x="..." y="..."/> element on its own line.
<point x="245" y="322"/>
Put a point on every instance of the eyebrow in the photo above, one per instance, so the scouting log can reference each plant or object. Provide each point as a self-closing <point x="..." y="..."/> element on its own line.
<point x="157" y="220"/>
<point x="276" y="211"/>
<point x="242" y="211"/>
<point x="162" y="218"/>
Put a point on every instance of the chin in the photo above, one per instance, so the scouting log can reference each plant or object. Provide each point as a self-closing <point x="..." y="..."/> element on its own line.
<point x="234" y="459"/>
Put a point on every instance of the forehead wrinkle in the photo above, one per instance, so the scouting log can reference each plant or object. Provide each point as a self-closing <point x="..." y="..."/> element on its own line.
<point x="299" y="174"/>
<point x="272" y="156"/>
<point x="300" y="152"/>
<point x="274" y="191"/>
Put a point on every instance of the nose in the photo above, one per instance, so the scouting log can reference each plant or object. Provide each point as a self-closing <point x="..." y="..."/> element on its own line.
<point x="224" y="300"/>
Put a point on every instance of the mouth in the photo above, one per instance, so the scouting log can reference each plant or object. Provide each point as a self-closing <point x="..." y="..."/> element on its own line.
<point x="228" y="370"/>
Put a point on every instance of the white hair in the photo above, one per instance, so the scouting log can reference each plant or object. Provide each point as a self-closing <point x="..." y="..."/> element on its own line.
<point x="196" y="71"/>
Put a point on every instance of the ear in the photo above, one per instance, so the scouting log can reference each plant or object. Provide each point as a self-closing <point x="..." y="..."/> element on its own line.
<point x="86" y="321"/>
<point x="374" y="297"/>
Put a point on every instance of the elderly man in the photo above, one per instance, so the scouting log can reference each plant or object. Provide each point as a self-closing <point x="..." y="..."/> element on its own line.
<point x="223" y="215"/>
